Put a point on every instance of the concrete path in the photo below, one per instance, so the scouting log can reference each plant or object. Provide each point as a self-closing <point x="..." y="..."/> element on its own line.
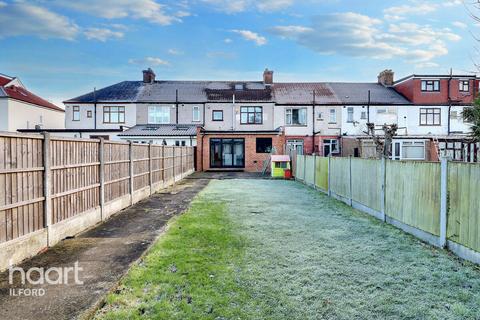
<point x="104" y="253"/>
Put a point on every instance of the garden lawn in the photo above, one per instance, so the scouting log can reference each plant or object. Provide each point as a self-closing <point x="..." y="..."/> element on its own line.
<point x="265" y="249"/>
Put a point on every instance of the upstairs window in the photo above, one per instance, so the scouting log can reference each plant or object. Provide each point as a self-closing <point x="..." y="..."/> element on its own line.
<point x="75" y="113"/>
<point x="158" y="115"/>
<point x="350" y="114"/>
<point x="430" y="85"/>
<point x="464" y="86"/>
<point x="430" y="116"/>
<point x="333" y="116"/>
<point x="196" y="114"/>
<point x="217" y="115"/>
<point x="113" y="114"/>
<point x="251" y="115"/>
<point x="296" y="117"/>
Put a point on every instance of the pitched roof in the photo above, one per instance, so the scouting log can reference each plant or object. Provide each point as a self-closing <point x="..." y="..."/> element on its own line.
<point x="22" y="94"/>
<point x="161" y="130"/>
<point x="302" y="93"/>
<point x="250" y="91"/>
<point x="357" y="93"/>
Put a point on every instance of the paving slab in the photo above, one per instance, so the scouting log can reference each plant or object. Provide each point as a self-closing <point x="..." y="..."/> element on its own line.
<point x="104" y="253"/>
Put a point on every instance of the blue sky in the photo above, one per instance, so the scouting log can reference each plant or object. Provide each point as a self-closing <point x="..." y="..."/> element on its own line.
<point x="63" y="48"/>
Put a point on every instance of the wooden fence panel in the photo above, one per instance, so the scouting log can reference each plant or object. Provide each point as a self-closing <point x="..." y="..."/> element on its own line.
<point x="321" y="175"/>
<point x="21" y="185"/>
<point x="413" y="194"/>
<point x="299" y="170"/>
<point x="367" y="182"/>
<point x="464" y="215"/>
<point x="117" y="170"/>
<point x="75" y="186"/>
<point x="157" y="164"/>
<point x="310" y="170"/>
<point x="141" y="166"/>
<point x="169" y="163"/>
<point x="340" y="176"/>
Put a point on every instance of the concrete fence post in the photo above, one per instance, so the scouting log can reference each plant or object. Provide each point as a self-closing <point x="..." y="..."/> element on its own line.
<point x="383" y="178"/>
<point x="305" y="168"/>
<point x="130" y="157"/>
<point x="47" y="185"/>
<point x="163" y="166"/>
<point x="314" y="171"/>
<point x="443" y="202"/>
<point x="101" y="158"/>
<point x="150" y="168"/>
<point x="329" y="175"/>
<point x="181" y="163"/>
<point x="350" y="180"/>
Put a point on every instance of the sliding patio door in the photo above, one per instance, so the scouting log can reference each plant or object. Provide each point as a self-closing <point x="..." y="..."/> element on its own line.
<point x="227" y="153"/>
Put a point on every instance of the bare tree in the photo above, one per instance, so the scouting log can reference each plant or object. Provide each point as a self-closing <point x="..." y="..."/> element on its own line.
<point x="383" y="142"/>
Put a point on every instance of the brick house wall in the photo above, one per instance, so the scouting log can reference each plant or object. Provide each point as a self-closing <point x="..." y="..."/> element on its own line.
<point x="412" y="90"/>
<point x="253" y="160"/>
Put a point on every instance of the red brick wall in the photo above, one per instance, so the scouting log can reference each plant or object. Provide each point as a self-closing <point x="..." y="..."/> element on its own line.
<point x="253" y="160"/>
<point x="412" y="90"/>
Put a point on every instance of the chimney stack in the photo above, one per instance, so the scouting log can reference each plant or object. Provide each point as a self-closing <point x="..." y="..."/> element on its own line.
<point x="268" y="77"/>
<point x="386" y="78"/>
<point x="148" y="76"/>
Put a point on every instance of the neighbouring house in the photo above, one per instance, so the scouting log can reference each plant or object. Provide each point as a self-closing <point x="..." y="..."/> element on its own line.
<point x="430" y="122"/>
<point x="22" y="109"/>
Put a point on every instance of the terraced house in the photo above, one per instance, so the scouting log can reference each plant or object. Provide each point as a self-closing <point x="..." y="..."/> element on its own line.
<point x="238" y="124"/>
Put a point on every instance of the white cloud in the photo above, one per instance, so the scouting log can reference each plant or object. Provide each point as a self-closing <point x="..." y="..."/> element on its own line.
<point x="20" y="18"/>
<point x="149" y="10"/>
<point x="357" y="35"/>
<point x="426" y="65"/>
<point x="251" y="36"/>
<point x="460" y="24"/>
<point x="175" y="52"/>
<point x="415" y="8"/>
<point x="102" y="34"/>
<point x="149" y="61"/>
<point x="227" y="40"/>
<point x="236" y="6"/>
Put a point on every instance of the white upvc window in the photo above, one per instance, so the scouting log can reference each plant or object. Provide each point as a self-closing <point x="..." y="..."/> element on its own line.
<point x="350" y="114"/>
<point x="158" y="115"/>
<point x="196" y="113"/>
<point x="333" y="116"/>
<point x="464" y="86"/>
<point x="75" y="113"/>
<point x="296" y="116"/>
<point x="408" y="150"/>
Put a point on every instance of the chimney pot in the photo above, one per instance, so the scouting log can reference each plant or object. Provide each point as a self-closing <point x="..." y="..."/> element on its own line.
<point x="268" y="77"/>
<point x="148" y="76"/>
<point x="386" y="78"/>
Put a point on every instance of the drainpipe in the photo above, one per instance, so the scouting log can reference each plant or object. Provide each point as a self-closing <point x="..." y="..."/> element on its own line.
<point x="95" y="108"/>
<point x="313" y="123"/>
<point x="233" y="112"/>
<point x="449" y="102"/>
<point x="176" y="106"/>
<point x="368" y="107"/>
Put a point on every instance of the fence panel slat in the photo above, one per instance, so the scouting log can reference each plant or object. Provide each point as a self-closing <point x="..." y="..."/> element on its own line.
<point x="367" y="182"/>
<point x="340" y="176"/>
<point x="321" y="176"/>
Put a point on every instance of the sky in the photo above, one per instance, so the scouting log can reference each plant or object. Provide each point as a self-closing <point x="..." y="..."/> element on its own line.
<point x="61" y="49"/>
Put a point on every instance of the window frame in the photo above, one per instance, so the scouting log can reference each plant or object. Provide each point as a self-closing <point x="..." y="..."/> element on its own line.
<point x="263" y="151"/>
<point x="89" y="114"/>
<point x="462" y="84"/>
<point x="121" y="111"/>
<point x="167" y="113"/>
<point x="290" y="111"/>
<point x="350" y="112"/>
<point x="334" y="113"/>
<point x="75" y="112"/>
<point x="254" y="113"/>
<point x="425" y="111"/>
<point x="213" y="115"/>
<point x="194" y="110"/>
<point x="430" y="83"/>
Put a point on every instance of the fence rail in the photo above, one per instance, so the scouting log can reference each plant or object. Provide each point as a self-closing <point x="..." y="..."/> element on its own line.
<point x="437" y="202"/>
<point x="47" y="182"/>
